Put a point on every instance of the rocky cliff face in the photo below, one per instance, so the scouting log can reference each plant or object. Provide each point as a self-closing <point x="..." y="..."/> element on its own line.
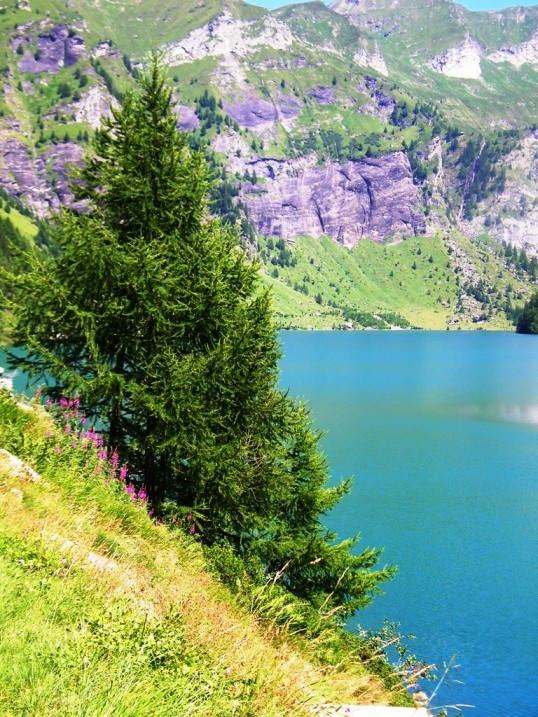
<point x="517" y="55"/>
<point x="372" y="198"/>
<point x="462" y="61"/>
<point x="57" y="47"/>
<point x="38" y="180"/>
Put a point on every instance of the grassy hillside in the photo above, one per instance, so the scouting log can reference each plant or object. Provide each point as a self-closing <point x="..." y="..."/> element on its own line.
<point x="106" y="613"/>
<point x="420" y="282"/>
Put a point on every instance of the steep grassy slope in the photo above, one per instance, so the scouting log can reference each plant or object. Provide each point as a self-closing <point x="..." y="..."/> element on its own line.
<point x="105" y="613"/>
<point x="425" y="282"/>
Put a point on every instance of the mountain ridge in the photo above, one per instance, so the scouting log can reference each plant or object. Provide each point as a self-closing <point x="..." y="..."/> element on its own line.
<point x="295" y="107"/>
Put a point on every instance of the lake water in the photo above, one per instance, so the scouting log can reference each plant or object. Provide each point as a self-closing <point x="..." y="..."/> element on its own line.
<point x="440" y="431"/>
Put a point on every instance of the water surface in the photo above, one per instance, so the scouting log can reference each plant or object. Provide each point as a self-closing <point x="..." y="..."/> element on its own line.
<point x="440" y="431"/>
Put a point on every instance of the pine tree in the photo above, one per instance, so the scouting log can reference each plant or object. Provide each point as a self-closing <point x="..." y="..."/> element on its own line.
<point x="527" y="322"/>
<point x="153" y="315"/>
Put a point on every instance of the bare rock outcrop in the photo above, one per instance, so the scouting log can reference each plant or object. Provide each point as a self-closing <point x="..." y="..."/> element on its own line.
<point x="57" y="47"/>
<point x="373" y="59"/>
<point x="370" y="198"/>
<point x="187" y="119"/>
<point x="93" y="106"/>
<point x="322" y="95"/>
<point x="227" y="35"/>
<point x="38" y="180"/>
<point x="526" y="52"/>
<point x="462" y="61"/>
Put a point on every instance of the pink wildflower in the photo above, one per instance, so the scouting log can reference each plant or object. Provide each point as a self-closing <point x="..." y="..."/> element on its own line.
<point x="142" y="495"/>
<point x="74" y="444"/>
<point x="151" y="512"/>
<point x="101" y="455"/>
<point x="192" y="529"/>
<point x="83" y="419"/>
<point x="57" y="449"/>
<point x="189" y="517"/>
<point x="48" y="434"/>
<point x="123" y="473"/>
<point x="114" y="459"/>
<point x="67" y="429"/>
<point x="38" y="393"/>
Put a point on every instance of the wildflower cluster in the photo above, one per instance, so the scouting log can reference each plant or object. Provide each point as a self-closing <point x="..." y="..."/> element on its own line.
<point x="77" y="436"/>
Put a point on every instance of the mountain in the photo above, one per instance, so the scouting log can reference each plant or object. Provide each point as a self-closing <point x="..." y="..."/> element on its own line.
<point x="408" y="124"/>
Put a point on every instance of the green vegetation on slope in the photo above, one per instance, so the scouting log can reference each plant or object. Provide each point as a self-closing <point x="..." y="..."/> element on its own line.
<point x="412" y="278"/>
<point x="528" y="319"/>
<point x="107" y="613"/>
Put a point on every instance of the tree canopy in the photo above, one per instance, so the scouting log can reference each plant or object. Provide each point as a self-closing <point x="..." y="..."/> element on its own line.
<point x="527" y="322"/>
<point x="152" y="313"/>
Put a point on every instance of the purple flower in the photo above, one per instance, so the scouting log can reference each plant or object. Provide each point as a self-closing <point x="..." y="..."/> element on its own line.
<point x="101" y="455"/>
<point x="129" y="489"/>
<point x="123" y="473"/>
<point x="142" y="495"/>
<point x="83" y="419"/>
<point x="151" y="512"/>
<point x="114" y="459"/>
<point x="189" y="517"/>
<point x="192" y="529"/>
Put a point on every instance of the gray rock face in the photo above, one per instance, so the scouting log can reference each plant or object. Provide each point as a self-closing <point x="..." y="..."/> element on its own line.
<point x="40" y="181"/>
<point x="381" y="104"/>
<point x="187" y="118"/>
<point x="371" y="198"/>
<point x="254" y="112"/>
<point x="251" y="111"/>
<point x="287" y="106"/>
<point x="322" y="95"/>
<point x="57" y="48"/>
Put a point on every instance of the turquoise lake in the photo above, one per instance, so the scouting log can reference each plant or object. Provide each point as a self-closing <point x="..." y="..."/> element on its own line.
<point x="440" y="431"/>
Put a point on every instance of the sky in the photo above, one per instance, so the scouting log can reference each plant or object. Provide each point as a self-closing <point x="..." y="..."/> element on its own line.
<point x="470" y="4"/>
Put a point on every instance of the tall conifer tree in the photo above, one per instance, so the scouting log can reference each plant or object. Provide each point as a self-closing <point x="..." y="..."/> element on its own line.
<point x="153" y="315"/>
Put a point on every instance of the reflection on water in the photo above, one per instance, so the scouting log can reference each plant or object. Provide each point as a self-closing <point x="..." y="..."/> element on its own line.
<point x="514" y="413"/>
<point x="519" y="414"/>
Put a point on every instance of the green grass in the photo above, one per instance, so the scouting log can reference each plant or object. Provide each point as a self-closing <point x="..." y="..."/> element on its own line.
<point x="105" y="614"/>
<point x="21" y="222"/>
<point x="416" y="278"/>
<point x="361" y="279"/>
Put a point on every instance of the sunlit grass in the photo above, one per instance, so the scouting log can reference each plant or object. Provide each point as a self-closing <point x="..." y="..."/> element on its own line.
<point x="106" y="613"/>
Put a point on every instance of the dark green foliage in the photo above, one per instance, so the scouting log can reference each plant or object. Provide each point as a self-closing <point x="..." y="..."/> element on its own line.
<point x="154" y="316"/>
<point x="64" y="90"/>
<point x="108" y="79"/>
<point x="527" y="322"/>
<point x="12" y="245"/>
<point x="478" y="167"/>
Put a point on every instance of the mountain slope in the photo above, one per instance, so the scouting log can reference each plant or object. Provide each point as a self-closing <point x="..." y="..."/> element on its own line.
<point x="377" y="120"/>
